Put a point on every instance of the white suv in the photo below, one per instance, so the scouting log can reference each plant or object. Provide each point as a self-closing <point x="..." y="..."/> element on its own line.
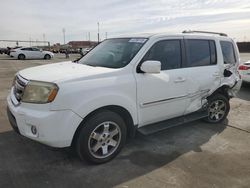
<point x="124" y="85"/>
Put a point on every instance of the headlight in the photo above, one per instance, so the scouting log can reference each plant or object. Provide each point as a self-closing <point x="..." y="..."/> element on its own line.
<point x="39" y="92"/>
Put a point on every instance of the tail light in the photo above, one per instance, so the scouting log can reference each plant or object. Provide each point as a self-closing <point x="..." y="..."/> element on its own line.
<point x="243" y="67"/>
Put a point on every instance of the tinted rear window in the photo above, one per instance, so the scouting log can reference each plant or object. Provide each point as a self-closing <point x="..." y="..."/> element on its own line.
<point x="198" y="53"/>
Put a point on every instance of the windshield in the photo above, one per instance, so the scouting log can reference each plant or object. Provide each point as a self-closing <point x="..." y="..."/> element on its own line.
<point x="113" y="53"/>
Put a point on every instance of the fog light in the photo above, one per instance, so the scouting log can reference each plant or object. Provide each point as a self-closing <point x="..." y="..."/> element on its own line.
<point x="33" y="130"/>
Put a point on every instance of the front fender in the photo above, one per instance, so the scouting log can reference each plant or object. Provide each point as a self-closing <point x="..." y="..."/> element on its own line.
<point x="98" y="102"/>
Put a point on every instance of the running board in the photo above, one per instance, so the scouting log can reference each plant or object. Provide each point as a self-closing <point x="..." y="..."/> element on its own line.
<point x="153" y="128"/>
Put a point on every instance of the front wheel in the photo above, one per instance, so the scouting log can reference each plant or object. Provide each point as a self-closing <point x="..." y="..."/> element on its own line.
<point x="47" y="56"/>
<point x="102" y="137"/>
<point x="218" y="108"/>
<point x="21" y="57"/>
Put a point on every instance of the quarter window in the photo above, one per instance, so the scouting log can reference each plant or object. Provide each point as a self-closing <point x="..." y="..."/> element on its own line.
<point x="168" y="52"/>
<point x="228" y="52"/>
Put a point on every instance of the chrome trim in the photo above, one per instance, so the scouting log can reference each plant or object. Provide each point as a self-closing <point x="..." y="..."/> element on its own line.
<point x="202" y="93"/>
<point x="18" y="89"/>
<point x="162" y="101"/>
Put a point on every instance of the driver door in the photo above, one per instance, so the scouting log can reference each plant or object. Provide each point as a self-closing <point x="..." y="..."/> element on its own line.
<point x="36" y="53"/>
<point x="164" y="95"/>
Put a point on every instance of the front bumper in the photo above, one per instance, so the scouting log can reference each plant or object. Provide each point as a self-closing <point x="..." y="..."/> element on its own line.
<point x="54" y="128"/>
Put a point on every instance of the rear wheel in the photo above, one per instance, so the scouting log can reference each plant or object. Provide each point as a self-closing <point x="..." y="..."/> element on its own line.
<point x="21" y="56"/>
<point x="218" y="108"/>
<point x="102" y="137"/>
<point x="47" y="56"/>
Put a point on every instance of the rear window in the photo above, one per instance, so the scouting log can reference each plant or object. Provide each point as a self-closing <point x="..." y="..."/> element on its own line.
<point x="228" y="52"/>
<point x="200" y="52"/>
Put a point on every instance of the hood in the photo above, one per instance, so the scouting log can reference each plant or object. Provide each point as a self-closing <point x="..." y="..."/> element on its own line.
<point x="64" y="71"/>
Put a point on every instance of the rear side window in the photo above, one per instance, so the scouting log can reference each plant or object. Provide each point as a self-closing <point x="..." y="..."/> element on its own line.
<point x="168" y="52"/>
<point x="26" y="49"/>
<point x="228" y="52"/>
<point x="200" y="52"/>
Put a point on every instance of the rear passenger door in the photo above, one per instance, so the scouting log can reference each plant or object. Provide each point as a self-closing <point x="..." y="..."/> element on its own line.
<point x="203" y="73"/>
<point x="27" y="52"/>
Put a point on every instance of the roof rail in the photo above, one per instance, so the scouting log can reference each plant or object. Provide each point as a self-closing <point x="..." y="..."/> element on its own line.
<point x="190" y="31"/>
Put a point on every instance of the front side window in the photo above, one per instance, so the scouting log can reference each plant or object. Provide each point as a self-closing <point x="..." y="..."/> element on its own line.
<point x="168" y="52"/>
<point x="35" y="49"/>
<point x="113" y="53"/>
<point x="228" y="52"/>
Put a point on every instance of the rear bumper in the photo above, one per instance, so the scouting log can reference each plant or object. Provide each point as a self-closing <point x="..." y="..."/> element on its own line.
<point x="246" y="78"/>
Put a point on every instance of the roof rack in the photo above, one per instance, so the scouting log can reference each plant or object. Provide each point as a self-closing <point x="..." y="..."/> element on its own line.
<point x="190" y="31"/>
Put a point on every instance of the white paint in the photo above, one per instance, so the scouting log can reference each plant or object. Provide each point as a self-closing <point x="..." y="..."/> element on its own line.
<point x="149" y="98"/>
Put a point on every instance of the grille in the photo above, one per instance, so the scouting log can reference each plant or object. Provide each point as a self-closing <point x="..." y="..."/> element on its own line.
<point x="19" y="85"/>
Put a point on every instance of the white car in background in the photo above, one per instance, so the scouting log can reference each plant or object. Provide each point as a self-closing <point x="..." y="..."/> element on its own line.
<point x="30" y="53"/>
<point x="244" y="70"/>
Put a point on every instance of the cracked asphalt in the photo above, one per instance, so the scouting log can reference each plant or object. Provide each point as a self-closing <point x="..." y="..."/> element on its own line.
<point x="196" y="154"/>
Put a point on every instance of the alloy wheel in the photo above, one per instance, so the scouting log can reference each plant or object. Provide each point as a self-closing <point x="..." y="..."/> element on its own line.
<point x="104" y="139"/>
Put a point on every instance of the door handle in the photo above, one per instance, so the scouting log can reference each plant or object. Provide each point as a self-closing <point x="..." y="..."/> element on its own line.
<point x="180" y="79"/>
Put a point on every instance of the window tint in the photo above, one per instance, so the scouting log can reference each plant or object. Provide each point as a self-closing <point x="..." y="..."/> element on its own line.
<point x="198" y="52"/>
<point x="213" y="52"/>
<point x="228" y="52"/>
<point x="26" y="49"/>
<point x="113" y="53"/>
<point x="168" y="52"/>
<point x="35" y="49"/>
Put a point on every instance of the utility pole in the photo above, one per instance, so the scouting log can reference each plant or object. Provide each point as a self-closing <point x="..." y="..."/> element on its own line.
<point x="106" y="35"/>
<point x="89" y="36"/>
<point x="44" y="38"/>
<point x="63" y="30"/>
<point x="98" y="34"/>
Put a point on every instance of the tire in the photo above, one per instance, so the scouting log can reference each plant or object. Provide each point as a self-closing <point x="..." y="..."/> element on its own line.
<point x="47" y="56"/>
<point x="21" y="56"/>
<point x="218" y="108"/>
<point x="101" y="137"/>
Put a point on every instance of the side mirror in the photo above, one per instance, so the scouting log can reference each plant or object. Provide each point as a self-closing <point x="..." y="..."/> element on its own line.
<point x="151" y="66"/>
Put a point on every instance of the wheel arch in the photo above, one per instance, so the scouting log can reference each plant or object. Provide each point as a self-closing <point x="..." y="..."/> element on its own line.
<point x="222" y="90"/>
<point x="18" y="56"/>
<point x="47" y="55"/>
<point x="123" y="112"/>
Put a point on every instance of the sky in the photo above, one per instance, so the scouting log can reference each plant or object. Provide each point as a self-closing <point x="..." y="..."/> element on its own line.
<point x="39" y="20"/>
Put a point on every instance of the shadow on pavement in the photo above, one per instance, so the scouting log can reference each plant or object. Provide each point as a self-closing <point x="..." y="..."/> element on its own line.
<point x="25" y="163"/>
